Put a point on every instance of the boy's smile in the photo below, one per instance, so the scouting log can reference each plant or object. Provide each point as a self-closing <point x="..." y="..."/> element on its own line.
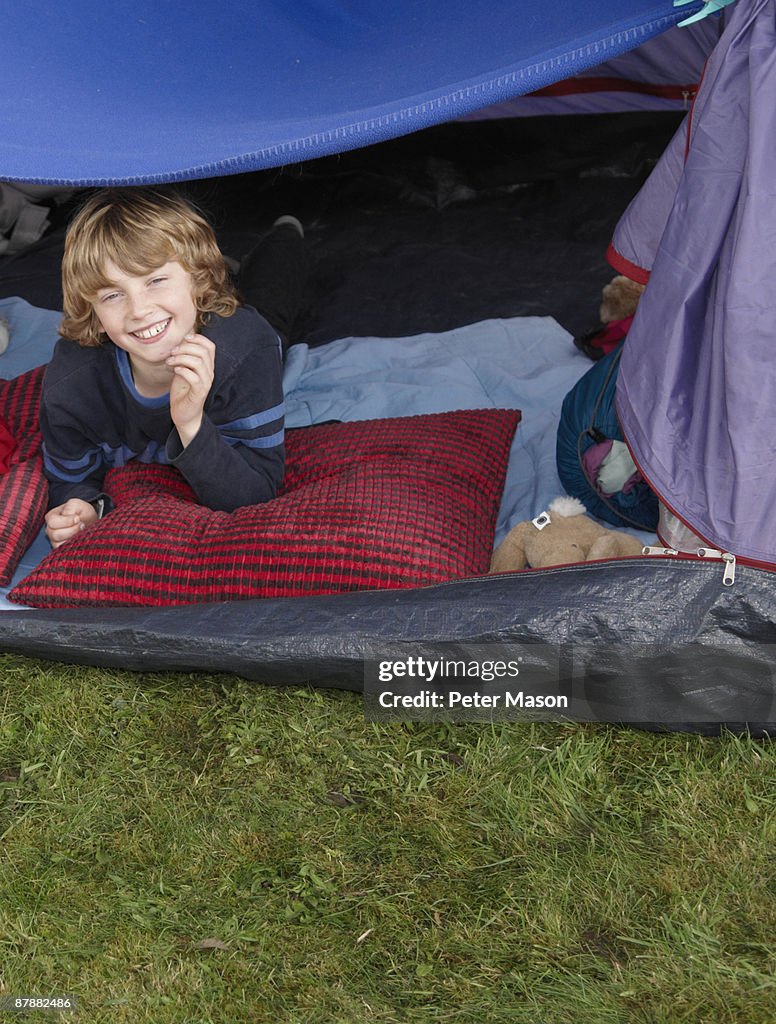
<point x="152" y="333"/>
<point x="147" y="315"/>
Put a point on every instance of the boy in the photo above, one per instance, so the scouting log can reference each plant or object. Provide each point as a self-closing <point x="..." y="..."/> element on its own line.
<point x="158" y="362"/>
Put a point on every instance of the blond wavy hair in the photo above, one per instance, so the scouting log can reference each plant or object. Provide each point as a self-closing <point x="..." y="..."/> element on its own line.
<point x="138" y="230"/>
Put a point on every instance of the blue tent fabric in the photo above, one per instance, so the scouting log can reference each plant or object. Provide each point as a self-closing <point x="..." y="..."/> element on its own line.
<point x="137" y="92"/>
<point x="696" y="394"/>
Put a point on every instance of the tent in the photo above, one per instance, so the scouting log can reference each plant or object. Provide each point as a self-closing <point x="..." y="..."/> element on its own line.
<point x="134" y="93"/>
<point x="152" y="96"/>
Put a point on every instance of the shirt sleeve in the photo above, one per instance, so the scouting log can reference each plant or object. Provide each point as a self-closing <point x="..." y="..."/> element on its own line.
<point x="238" y="455"/>
<point x="74" y="465"/>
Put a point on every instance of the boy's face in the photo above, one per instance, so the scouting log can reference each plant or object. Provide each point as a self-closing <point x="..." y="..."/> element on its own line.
<point x="147" y="315"/>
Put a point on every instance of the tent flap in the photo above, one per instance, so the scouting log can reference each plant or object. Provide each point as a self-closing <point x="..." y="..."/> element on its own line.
<point x="136" y="92"/>
<point x="694" y="397"/>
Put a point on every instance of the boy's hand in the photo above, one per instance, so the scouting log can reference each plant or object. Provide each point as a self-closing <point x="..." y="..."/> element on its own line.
<point x="193" y="362"/>
<point x="65" y="521"/>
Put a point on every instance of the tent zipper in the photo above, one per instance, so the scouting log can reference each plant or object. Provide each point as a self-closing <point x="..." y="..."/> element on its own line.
<point x="706" y="551"/>
<point x="729" y="575"/>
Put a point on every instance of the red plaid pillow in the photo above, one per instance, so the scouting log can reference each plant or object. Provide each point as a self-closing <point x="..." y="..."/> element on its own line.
<point x="23" y="489"/>
<point x="398" y="502"/>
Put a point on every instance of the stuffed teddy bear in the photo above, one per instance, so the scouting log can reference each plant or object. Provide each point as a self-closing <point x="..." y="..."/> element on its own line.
<point x="561" y="536"/>
<point x="619" y="301"/>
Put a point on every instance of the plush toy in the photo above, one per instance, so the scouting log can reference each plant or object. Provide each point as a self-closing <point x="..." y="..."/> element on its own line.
<point x="619" y="299"/>
<point x="563" y="535"/>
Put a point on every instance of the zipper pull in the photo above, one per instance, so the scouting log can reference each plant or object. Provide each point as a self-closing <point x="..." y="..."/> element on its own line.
<point x="729" y="576"/>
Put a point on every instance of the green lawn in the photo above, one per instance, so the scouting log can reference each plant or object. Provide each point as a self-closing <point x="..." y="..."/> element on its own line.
<point x="181" y="848"/>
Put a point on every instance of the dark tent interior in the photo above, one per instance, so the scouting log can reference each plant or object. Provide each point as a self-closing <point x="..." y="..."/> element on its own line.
<point x="457" y="223"/>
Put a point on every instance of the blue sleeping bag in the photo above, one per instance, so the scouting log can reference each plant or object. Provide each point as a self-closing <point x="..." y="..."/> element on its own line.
<point x="587" y="419"/>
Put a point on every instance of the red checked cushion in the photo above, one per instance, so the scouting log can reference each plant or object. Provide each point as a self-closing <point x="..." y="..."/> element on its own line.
<point x="23" y="488"/>
<point x="373" y="504"/>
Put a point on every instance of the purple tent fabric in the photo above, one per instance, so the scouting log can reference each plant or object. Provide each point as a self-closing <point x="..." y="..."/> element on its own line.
<point x="696" y="394"/>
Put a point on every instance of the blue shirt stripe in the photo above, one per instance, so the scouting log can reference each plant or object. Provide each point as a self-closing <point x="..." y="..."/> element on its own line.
<point x="269" y="441"/>
<point x="259" y="419"/>
<point x="73" y="471"/>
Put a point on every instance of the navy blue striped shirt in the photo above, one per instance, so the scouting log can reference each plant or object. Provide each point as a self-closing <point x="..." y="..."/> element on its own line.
<point x="93" y="419"/>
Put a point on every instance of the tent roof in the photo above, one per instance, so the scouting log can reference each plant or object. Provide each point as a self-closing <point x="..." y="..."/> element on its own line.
<point x="135" y="91"/>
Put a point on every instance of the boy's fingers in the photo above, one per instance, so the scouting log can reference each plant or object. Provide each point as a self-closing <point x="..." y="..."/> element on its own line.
<point x="195" y="343"/>
<point x="198" y="366"/>
<point x="188" y="375"/>
<point x="60" y="535"/>
<point x="60" y="522"/>
<point x="188" y="357"/>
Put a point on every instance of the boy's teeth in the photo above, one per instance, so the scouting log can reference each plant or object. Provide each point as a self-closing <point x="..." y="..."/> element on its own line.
<point x="151" y="332"/>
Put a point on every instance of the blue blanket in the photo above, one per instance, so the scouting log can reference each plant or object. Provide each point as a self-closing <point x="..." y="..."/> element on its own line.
<point x="526" y="363"/>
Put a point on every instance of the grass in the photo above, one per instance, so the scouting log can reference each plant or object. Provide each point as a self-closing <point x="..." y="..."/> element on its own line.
<point x="184" y="848"/>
